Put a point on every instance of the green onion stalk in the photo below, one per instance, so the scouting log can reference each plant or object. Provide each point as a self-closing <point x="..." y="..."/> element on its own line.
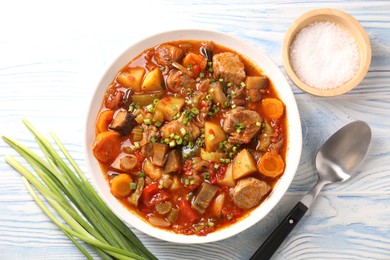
<point x="59" y="185"/>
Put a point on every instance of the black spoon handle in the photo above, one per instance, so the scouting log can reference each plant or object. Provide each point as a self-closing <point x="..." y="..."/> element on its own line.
<point x="269" y="247"/>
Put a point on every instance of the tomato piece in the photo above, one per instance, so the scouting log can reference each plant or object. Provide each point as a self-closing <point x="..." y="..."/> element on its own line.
<point x="152" y="195"/>
<point x="187" y="214"/>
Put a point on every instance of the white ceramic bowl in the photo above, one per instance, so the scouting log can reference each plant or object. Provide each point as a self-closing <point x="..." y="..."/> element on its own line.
<point x="294" y="144"/>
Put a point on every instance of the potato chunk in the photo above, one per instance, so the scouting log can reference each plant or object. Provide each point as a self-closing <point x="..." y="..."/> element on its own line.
<point x="170" y="106"/>
<point x="214" y="135"/>
<point x="228" y="178"/>
<point x="131" y="78"/>
<point x="152" y="81"/>
<point x="244" y="164"/>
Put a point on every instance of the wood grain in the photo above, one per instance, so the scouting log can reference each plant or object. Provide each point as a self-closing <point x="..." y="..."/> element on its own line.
<point x="50" y="62"/>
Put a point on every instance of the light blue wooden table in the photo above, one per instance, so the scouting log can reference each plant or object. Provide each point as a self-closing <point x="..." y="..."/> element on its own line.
<point x="53" y="52"/>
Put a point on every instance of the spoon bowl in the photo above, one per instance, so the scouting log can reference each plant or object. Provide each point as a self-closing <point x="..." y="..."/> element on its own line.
<point x="338" y="158"/>
<point x="342" y="153"/>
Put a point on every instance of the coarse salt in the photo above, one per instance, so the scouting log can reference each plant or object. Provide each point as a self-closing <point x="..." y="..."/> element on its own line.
<point x="324" y="56"/>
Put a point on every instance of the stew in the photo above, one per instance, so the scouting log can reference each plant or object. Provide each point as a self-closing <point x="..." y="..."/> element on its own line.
<point x="191" y="136"/>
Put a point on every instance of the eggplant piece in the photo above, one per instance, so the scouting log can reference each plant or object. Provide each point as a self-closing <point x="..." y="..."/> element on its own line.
<point x="253" y="85"/>
<point x="218" y="95"/>
<point x="207" y="50"/>
<point x="164" y="207"/>
<point x="123" y="122"/>
<point x="265" y="136"/>
<point x="133" y="199"/>
<point x="173" y="162"/>
<point x="159" y="152"/>
<point x="147" y="150"/>
<point x="204" y="197"/>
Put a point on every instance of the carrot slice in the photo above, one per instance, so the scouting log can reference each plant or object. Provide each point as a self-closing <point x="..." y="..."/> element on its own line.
<point x="271" y="165"/>
<point x="120" y="185"/>
<point x="272" y="108"/>
<point x="107" y="146"/>
<point x="104" y="120"/>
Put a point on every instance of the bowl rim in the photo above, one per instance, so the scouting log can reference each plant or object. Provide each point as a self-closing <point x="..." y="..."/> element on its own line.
<point x="294" y="146"/>
<point x="323" y="14"/>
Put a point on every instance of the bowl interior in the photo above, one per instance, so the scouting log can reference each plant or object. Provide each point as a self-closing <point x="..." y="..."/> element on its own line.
<point x="282" y="87"/>
<point x="346" y="22"/>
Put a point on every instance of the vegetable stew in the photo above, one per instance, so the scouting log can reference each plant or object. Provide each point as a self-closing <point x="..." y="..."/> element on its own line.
<point x="191" y="136"/>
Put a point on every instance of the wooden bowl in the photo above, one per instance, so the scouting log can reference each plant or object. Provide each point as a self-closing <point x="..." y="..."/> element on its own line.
<point x="346" y="22"/>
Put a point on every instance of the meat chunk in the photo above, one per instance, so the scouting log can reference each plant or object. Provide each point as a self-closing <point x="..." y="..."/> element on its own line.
<point x="242" y="125"/>
<point x="149" y="131"/>
<point x="123" y="122"/>
<point x="174" y="127"/>
<point x="166" y="54"/>
<point x="228" y="66"/>
<point x="178" y="82"/>
<point x="248" y="192"/>
<point x="238" y="95"/>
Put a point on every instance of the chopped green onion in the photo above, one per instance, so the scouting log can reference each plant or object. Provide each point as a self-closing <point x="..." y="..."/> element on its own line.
<point x="230" y="84"/>
<point x="216" y="166"/>
<point x="141" y="174"/>
<point x="211" y="137"/>
<point x="195" y="111"/>
<point x="155" y="101"/>
<point x="201" y="75"/>
<point x="157" y="123"/>
<point x="220" y="80"/>
<point x="212" y="80"/>
<point x="150" y="108"/>
<point x="234" y="106"/>
<point x="211" y="224"/>
<point x="147" y="121"/>
<point x="160" y="186"/>
<point x="186" y="182"/>
<point x="243" y="84"/>
<point x="133" y="185"/>
<point x="183" y="131"/>
<point x="136" y="145"/>
<point x="212" y="90"/>
<point x="258" y="124"/>
<point x="240" y="126"/>
<point x="172" y="143"/>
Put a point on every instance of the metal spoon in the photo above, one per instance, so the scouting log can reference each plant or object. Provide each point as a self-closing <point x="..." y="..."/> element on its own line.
<point x="337" y="159"/>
